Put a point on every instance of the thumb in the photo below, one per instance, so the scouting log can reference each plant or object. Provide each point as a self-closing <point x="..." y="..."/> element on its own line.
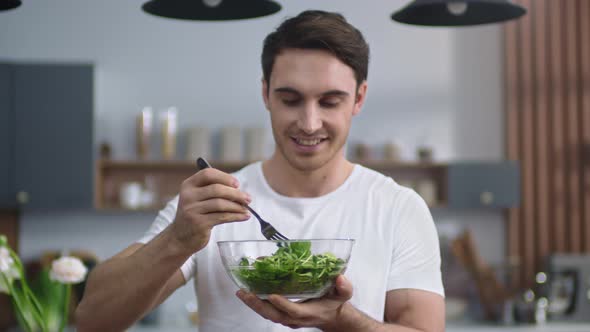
<point x="343" y="289"/>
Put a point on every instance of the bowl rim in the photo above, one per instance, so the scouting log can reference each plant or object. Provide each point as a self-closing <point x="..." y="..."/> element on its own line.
<point x="290" y="240"/>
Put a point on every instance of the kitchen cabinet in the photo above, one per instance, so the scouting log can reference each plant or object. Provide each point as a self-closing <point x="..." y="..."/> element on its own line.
<point x="463" y="185"/>
<point x="46" y="119"/>
<point x="5" y="143"/>
<point x="483" y="185"/>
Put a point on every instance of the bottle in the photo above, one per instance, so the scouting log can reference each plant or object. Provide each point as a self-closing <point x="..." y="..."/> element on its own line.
<point x="144" y="132"/>
<point x="169" y="130"/>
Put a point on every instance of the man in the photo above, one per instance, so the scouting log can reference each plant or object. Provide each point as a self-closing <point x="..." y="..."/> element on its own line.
<point x="315" y="70"/>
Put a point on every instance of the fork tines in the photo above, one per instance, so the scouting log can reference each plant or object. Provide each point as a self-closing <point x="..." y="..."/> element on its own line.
<point x="278" y="236"/>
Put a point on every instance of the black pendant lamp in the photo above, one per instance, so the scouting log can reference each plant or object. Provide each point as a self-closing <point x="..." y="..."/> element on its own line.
<point x="9" y="4"/>
<point x="211" y="10"/>
<point x="457" y="12"/>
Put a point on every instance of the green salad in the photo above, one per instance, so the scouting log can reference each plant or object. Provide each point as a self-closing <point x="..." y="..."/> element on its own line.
<point x="292" y="269"/>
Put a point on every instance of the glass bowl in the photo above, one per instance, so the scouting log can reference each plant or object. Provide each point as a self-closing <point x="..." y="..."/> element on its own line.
<point x="295" y="269"/>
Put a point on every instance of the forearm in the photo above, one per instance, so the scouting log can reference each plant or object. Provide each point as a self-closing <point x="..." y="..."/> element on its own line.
<point x="353" y="320"/>
<point x="121" y="290"/>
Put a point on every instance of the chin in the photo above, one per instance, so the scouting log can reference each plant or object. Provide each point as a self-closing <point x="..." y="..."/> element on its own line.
<point x="306" y="164"/>
<point x="309" y="163"/>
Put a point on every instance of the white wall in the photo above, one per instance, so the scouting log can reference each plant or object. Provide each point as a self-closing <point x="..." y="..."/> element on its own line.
<point x="434" y="86"/>
<point x="211" y="71"/>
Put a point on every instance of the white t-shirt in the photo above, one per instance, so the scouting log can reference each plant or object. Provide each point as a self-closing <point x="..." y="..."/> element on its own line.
<point x="396" y="244"/>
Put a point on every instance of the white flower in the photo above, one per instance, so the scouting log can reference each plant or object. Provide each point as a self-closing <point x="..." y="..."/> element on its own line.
<point x="68" y="270"/>
<point x="8" y="270"/>
<point x="6" y="261"/>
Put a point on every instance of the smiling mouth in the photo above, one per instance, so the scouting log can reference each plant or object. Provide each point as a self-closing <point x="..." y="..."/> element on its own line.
<point x="308" y="142"/>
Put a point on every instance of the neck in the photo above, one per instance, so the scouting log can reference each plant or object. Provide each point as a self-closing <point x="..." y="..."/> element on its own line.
<point x="289" y="181"/>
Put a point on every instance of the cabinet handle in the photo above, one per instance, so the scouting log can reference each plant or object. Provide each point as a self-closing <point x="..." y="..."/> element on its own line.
<point x="486" y="198"/>
<point x="22" y="197"/>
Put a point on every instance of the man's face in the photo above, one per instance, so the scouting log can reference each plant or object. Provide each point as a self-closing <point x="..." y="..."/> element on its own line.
<point x="312" y="97"/>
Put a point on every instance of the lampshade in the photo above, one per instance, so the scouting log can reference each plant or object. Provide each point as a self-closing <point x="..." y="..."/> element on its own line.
<point x="9" y="4"/>
<point x="457" y="12"/>
<point x="211" y="10"/>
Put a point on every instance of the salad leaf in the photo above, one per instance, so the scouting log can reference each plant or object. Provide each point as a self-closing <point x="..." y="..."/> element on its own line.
<point x="292" y="269"/>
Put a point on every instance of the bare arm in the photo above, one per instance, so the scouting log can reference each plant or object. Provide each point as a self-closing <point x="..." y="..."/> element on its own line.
<point x="122" y="289"/>
<point x="422" y="310"/>
<point x="405" y="310"/>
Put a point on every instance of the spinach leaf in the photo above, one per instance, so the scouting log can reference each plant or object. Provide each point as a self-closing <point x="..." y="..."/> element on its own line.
<point x="291" y="270"/>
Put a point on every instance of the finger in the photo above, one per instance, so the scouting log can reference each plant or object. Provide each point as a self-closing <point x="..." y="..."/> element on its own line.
<point x="264" y="309"/>
<point x="216" y="205"/>
<point x="294" y="310"/>
<point x="189" y="194"/>
<point x="218" y="190"/>
<point x="226" y="217"/>
<point x="209" y="176"/>
<point x="343" y="290"/>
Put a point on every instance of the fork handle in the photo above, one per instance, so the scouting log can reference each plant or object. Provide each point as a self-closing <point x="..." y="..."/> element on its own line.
<point x="255" y="214"/>
<point x="202" y="163"/>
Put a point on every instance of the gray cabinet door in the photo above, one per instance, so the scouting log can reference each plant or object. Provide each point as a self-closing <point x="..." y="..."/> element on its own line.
<point x="483" y="185"/>
<point x="7" y="198"/>
<point x="53" y="131"/>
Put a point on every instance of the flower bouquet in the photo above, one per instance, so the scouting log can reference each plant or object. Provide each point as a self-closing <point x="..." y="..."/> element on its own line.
<point x="45" y="306"/>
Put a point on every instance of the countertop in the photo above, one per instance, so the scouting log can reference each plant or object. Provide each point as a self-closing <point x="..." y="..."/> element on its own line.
<point x="549" y="327"/>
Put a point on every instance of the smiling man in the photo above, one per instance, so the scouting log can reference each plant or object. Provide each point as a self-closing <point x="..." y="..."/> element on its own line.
<point x="315" y="69"/>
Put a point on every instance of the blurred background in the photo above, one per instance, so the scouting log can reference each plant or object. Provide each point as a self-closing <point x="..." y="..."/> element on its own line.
<point x="104" y="108"/>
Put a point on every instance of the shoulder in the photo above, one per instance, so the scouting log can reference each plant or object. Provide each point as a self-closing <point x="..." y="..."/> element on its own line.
<point x="396" y="199"/>
<point x="384" y="186"/>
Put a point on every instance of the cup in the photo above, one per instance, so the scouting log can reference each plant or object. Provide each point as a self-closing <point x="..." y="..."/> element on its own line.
<point x="427" y="190"/>
<point x="131" y="195"/>
<point x="199" y="143"/>
<point x="231" y="144"/>
<point x="255" y="143"/>
<point x="391" y="152"/>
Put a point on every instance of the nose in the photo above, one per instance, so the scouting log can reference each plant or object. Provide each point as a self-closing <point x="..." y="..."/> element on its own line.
<point x="309" y="119"/>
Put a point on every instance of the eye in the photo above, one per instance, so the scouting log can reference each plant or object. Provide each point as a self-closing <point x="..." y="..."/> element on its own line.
<point x="329" y="102"/>
<point x="291" y="102"/>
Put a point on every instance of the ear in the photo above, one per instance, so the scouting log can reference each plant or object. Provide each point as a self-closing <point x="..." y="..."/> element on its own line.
<point x="265" y="92"/>
<point x="360" y="98"/>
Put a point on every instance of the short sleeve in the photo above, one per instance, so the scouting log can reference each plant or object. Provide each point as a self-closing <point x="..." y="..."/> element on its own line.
<point x="416" y="253"/>
<point x="164" y="219"/>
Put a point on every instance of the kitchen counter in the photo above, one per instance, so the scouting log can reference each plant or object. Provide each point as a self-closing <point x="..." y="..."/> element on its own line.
<point x="451" y="327"/>
<point x="549" y="327"/>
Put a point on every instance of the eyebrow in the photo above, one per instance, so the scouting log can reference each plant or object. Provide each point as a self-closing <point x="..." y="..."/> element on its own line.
<point x="327" y="93"/>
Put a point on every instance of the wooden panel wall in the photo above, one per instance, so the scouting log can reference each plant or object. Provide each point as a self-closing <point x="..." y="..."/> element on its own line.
<point x="547" y="80"/>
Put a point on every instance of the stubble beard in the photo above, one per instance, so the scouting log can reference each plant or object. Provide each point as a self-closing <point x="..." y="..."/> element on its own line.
<point x="308" y="163"/>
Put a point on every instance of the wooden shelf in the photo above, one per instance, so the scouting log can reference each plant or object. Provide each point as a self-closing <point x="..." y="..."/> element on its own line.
<point x="187" y="164"/>
<point x="163" y="178"/>
<point x="164" y="164"/>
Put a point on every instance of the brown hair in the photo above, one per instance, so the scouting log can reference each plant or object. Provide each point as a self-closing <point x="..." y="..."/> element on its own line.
<point x="315" y="29"/>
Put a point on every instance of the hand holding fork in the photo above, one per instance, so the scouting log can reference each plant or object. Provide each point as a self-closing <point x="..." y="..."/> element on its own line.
<point x="268" y="231"/>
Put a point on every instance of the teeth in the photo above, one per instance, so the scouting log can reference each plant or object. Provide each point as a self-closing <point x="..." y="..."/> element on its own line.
<point x="308" y="141"/>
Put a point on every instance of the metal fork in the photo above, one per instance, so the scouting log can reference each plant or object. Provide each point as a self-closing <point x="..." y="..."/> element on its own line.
<point x="269" y="232"/>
